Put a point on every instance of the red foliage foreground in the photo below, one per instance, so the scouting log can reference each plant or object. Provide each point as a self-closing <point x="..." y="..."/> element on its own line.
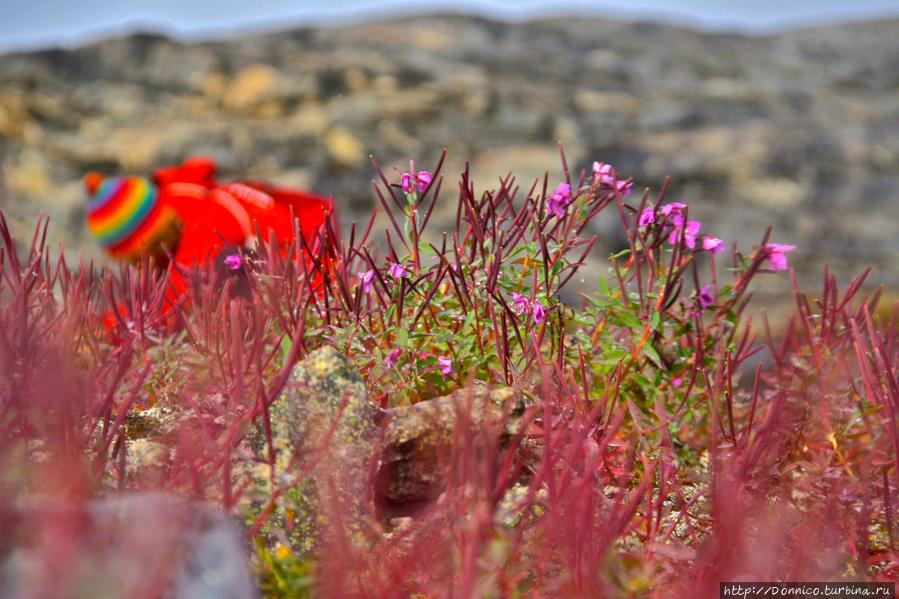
<point x="664" y="450"/>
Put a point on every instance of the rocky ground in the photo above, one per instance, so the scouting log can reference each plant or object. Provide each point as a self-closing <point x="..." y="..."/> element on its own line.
<point x="797" y="129"/>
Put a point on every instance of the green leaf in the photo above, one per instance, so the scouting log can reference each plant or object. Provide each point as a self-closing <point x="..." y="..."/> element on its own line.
<point x="652" y="354"/>
<point x="425" y="249"/>
<point x="402" y="337"/>
<point x="612" y="356"/>
<point x="629" y="320"/>
<point x="599" y="303"/>
<point x="556" y="267"/>
<point x="469" y="320"/>
<point x="284" y="348"/>
<point x="603" y="286"/>
<point x="642" y="381"/>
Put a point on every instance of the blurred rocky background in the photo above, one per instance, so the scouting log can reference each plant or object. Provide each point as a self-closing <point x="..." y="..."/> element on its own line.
<point x="797" y="129"/>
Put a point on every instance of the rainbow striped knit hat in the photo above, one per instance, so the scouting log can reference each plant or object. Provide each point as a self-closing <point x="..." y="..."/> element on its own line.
<point x="125" y="215"/>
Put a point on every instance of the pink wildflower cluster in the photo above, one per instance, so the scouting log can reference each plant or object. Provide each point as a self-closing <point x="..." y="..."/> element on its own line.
<point x="397" y="271"/>
<point x="604" y="175"/>
<point x="522" y="305"/>
<point x="410" y="180"/>
<point x="683" y="230"/>
<point x="687" y="231"/>
<point x="559" y="200"/>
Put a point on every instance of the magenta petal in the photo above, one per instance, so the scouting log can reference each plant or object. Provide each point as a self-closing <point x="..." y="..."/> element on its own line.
<point x="712" y="244"/>
<point x="397" y="271"/>
<point x="390" y="360"/>
<point x="233" y="261"/>
<point x="774" y="253"/>
<point x="446" y="365"/>
<point x="366" y="277"/>
<point x="673" y="207"/>
<point x="424" y="179"/>
<point x="539" y="312"/>
<point x="778" y="261"/>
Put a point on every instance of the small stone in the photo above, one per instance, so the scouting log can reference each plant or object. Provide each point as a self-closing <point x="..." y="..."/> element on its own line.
<point x="312" y="119"/>
<point x="249" y="86"/>
<point x="148" y="453"/>
<point x="431" y="39"/>
<point x="152" y="422"/>
<point x="29" y="177"/>
<point x="386" y="85"/>
<point x="13" y="115"/>
<point x="148" y="462"/>
<point x="343" y="147"/>
<point x="355" y="79"/>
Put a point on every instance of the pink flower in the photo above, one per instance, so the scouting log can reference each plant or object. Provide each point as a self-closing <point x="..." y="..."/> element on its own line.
<point x="602" y="171"/>
<point x="647" y="217"/>
<point x="390" y="360"/>
<point x="446" y="365"/>
<point x="233" y="261"/>
<point x="539" y="312"/>
<point x="774" y="254"/>
<point x="424" y="179"/>
<point x="397" y="271"/>
<point x="705" y="297"/>
<point x="409" y="180"/>
<point x="672" y="208"/>
<point x="687" y="233"/>
<point x="366" y="277"/>
<point x="605" y="175"/>
<point x="559" y="199"/>
<point x="712" y="244"/>
<point x="520" y="304"/>
<point x="624" y="187"/>
<point x="406" y="181"/>
<point x="703" y="300"/>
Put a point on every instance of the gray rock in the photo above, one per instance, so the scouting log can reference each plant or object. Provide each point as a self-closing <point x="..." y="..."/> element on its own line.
<point x="796" y="129"/>
<point x="139" y="546"/>
<point x="418" y="440"/>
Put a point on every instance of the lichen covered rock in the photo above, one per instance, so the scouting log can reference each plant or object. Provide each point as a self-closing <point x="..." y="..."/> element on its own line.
<point x="418" y="441"/>
<point x="338" y="453"/>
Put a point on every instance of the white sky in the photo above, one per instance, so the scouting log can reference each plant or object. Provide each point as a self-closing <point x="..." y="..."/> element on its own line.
<point x="26" y="24"/>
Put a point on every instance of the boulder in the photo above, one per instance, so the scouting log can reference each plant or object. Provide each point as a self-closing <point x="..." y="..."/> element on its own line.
<point x="368" y="460"/>
<point x="145" y="545"/>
